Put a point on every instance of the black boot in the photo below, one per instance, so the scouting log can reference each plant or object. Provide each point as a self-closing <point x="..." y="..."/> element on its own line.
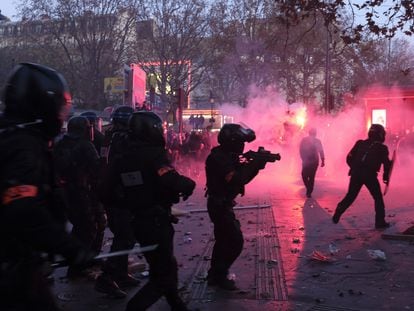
<point x="338" y="212"/>
<point x="222" y="282"/>
<point x="382" y="225"/>
<point x="127" y="281"/>
<point x="106" y="285"/>
<point x="176" y="303"/>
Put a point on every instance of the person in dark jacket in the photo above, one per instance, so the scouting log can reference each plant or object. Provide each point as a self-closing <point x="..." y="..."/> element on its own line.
<point x="365" y="160"/>
<point x="310" y="150"/>
<point x="147" y="184"/>
<point x="115" y="276"/>
<point x="226" y="178"/>
<point x="77" y="166"/>
<point x="97" y="136"/>
<point x="32" y="218"/>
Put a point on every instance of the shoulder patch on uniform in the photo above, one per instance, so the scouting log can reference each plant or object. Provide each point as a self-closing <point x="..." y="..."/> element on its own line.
<point x="164" y="170"/>
<point x="19" y="192"/>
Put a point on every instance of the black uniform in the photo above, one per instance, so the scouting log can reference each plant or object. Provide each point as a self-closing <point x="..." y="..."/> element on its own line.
<point x="31" y="221"/>
<point x="27" y="223"/>
<point x="148" y="186"/>
<point x="115" y="270"/>
<point x="226" y="178"/>
<point x="221" y="194"/>
<point x="77" y="167"/>
<point x="150" y="198"/>
<point x="365" y="160"/>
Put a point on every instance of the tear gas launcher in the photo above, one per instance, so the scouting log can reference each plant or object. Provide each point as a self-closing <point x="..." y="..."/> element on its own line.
<point x="262" y="155"/>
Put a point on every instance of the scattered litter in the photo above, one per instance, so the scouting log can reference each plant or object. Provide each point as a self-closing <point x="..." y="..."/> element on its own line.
<point x="145" y="274"/>
<point x="271" y="263"/>
<point x="187" y="233"/>
<point x="301" y="228"/>
<point x="319" y="256"/>
<point x="376" y="254"/>
<point x="333" y="249"/>
<point x="294" y="250"/>
<point x="296" y="240"/>
<point x="188" y="240"/>
<point x="232" y="276"/>
<point x="67" y="297"/>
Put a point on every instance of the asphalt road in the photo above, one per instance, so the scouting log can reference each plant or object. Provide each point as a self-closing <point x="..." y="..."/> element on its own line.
<point x="294" y="257"/>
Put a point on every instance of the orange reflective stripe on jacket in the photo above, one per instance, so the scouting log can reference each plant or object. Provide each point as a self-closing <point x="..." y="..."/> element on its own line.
<point x="18" y="192"/>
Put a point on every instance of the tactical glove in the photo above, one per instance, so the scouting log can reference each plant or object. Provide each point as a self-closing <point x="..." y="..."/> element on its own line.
<point x="187" y="187"/>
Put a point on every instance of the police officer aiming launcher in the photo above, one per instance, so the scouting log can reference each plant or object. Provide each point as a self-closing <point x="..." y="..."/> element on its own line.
<point x="228" y="170"/>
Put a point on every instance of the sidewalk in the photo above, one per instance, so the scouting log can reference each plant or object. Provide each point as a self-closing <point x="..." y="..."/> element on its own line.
<point x="275" y="270"/>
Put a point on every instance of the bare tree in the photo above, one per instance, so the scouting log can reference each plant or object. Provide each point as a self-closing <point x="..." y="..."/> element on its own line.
<point x="89" y="38"/>
<point x="173" y="51"/>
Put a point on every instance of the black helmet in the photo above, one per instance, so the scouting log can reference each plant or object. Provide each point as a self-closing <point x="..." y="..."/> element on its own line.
<point x="235" y="132"/>
<point x="376" y="133"/>
<point x="79" y="127"/>
<point x="94" y="120"/>
<point x="91" y="116"/>
<point x="35" y="92"/>
<point x="233" y="136"/>
<point x="147" y="126"/>
<point x="121" y="115"/>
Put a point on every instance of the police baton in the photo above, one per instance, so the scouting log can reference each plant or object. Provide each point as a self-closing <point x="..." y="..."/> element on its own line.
<point x="135" y="250"/>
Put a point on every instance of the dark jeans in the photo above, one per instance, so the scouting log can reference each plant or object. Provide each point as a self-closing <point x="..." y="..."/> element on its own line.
<point x="163" y="273"/>
<point x="355" y="184"/>
<point x="308" y="176"/>
<point x="228" y="237"/>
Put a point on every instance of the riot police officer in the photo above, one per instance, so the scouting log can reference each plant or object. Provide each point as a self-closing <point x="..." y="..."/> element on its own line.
<point x="365" y="160"/>
<point x="115" y="276"/>
<point x="147" y="184"/>
<point x="77" y="164"/>
<point x="97" y="136"/>
<point x="98" y="140"/>
<point x="36" y="100"/>
<point x="226" y="178"/>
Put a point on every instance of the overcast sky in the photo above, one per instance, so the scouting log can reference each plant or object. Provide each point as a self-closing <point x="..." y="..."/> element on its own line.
<point x="7" y="8"/>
